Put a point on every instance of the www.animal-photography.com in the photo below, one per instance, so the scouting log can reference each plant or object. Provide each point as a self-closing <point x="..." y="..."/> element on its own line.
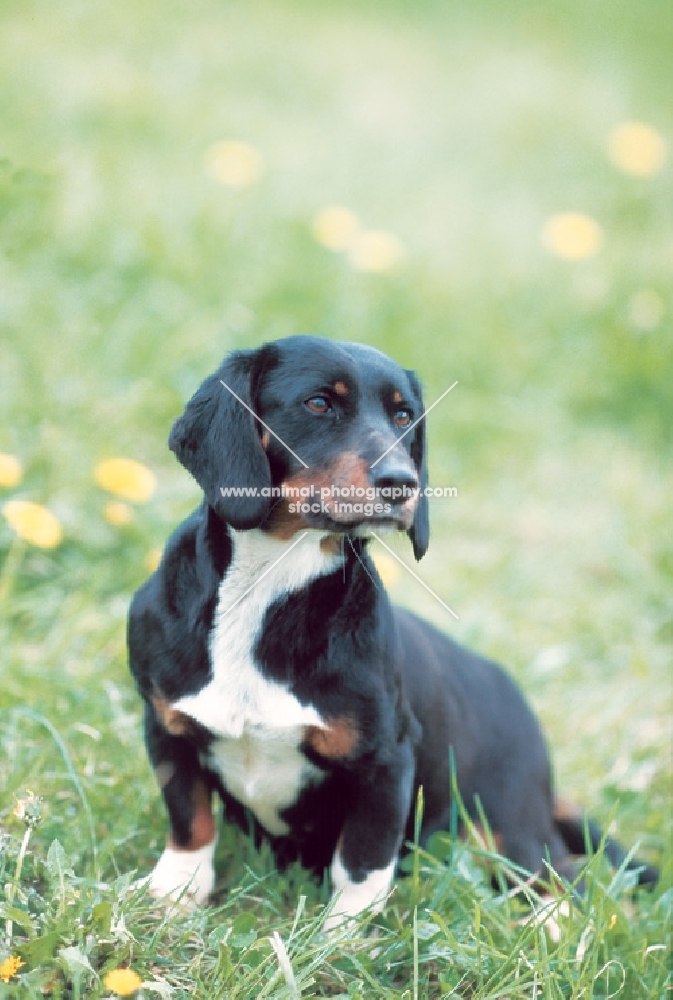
<point x="335" y="542"/>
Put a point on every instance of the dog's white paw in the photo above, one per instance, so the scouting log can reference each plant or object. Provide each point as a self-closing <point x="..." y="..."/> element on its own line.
<point x="185" y="876"/>
<point x="350" y="899"/>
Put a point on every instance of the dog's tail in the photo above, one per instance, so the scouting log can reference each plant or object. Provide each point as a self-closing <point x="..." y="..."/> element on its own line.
<point x="582" y="836"/>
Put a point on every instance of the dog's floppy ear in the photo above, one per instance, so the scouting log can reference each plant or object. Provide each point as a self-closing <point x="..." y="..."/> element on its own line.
<point x="218" y="440"/>
<point x="419" y="532"/>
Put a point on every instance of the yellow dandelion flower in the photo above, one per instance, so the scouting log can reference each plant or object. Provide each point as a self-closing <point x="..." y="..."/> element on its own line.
<point x="10" y="967"/>
<point x="29" y="809"/>
<point x="637" y="149"/>
<point x="10" y="470"/>
<point x="117" y="513"/>
<point x="234" y="163"/>
<point x="34" y="523"/>
<point x="376" y="251"/>
<point x="152" y="559"/>
<point x="124" y="982"/>
<point x="572" y="236"/>
<point x="335" y="227"/>
<point x="126" y="478"/>
<point x="389" y="570"/>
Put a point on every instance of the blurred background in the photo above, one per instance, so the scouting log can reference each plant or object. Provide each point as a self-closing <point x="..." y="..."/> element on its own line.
<point x="483" y="191"/>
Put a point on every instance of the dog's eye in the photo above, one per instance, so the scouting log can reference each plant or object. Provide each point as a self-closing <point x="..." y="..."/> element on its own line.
<point x="318" y="404"/>
<point x="402" y="417"/>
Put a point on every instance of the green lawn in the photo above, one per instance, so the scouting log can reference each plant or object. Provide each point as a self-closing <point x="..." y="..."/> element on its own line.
<point x="128" y="269"/>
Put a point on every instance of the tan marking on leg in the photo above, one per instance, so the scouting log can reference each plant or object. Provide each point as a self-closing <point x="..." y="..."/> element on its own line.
<point x="563" y="809"/>
<point x="203" y="824"/>
<point x="173" y="721"/>
<point x="337" y="741"/>
<point x="202" y="829"/>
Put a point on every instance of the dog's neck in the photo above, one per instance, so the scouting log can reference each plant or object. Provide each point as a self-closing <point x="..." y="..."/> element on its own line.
<point x="278" y="566"/>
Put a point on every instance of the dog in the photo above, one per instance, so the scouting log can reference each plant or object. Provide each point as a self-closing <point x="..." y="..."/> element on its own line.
<point x="274" y="669"/>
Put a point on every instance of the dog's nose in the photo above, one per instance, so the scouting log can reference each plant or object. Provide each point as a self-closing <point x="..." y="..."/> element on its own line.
<point x="392" y="473"/>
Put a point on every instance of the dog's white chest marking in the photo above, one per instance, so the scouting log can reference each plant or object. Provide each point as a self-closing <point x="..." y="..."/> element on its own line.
<point x="259" y="723"/>
<point x="265" y="770"/>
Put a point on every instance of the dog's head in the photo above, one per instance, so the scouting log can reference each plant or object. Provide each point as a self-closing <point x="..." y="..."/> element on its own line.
<point x="309" y="433"/>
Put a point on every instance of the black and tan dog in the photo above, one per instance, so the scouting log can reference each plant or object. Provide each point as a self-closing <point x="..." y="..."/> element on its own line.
<point x="273" y="667"/>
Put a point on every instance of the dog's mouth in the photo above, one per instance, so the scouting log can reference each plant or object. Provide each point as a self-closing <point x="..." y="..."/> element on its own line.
<point x="355" y="511"/>
<point x="360" y="523"/>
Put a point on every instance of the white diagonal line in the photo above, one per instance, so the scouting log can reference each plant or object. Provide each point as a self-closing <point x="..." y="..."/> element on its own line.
<point x="262" y="575"/>
<point x="415" y="575"/>
<point x="411" y="426"/>
<point x="266" y="426"/>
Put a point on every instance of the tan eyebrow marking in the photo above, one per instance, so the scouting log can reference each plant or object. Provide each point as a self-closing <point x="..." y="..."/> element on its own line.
<point x="397" y="397"/>
<point x="341" y="388"/>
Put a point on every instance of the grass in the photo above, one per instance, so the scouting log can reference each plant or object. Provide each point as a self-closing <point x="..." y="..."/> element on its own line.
<point x="127" y="272"/>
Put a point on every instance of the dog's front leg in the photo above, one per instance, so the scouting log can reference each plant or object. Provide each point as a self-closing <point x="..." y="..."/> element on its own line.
<point x="186" y="869"/>
<point x="364" y="862"/>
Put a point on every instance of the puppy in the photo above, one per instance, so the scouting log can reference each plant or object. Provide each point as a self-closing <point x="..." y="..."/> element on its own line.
<point x="273" y="668"/>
